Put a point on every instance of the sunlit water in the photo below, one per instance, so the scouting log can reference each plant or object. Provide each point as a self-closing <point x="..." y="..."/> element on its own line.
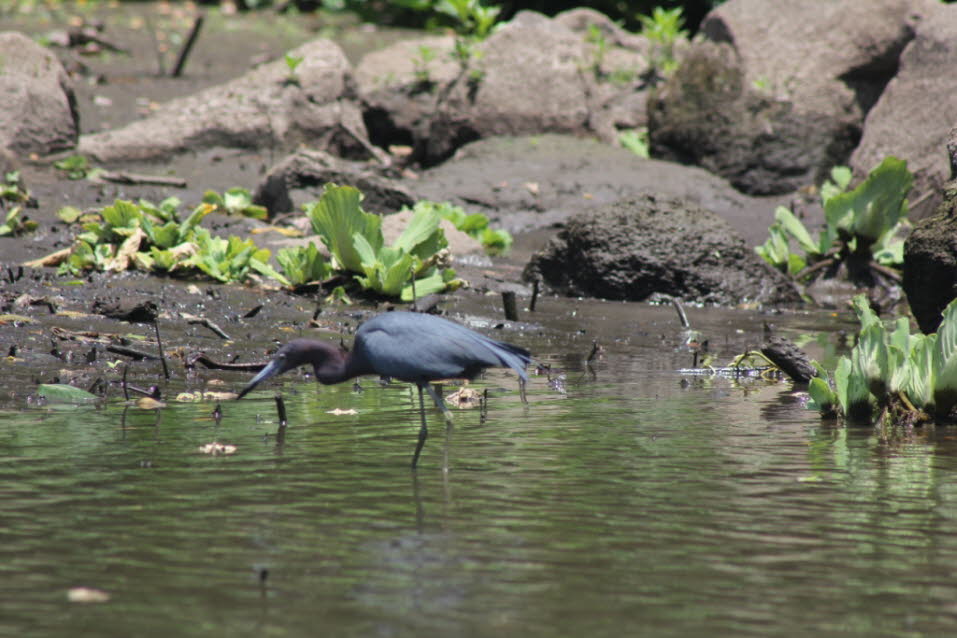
<point x="640" y="501"/>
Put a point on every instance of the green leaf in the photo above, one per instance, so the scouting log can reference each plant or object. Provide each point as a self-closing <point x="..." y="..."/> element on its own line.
<point x="920" y="382"/>
<point x="423" y="224"/>
<point x="61" y="393"/>
<point x="337" y="217"/>
<point x="872" y="359"/>
<point x="945" y="362"/>
<point x="876" y="205"/>
<point x="793" y="226"/>
<point x="69" y="214"/>
<point x="822" y="395"/>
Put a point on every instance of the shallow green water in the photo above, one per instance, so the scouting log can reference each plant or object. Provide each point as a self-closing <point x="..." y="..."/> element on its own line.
<point x="640" y="502"/>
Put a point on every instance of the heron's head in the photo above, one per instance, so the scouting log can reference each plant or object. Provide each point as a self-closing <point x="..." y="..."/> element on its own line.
<point x="292" y="355"/>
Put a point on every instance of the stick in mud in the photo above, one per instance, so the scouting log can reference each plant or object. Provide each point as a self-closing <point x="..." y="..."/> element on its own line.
<point x="511" y="309"/>
<point x="531" y="304"/>
<point x="190" y="41"/>
<point x="281" y="410"/>
<point x="159" y="344"/>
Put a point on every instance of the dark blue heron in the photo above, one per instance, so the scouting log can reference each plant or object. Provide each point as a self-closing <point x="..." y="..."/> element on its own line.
<point x="412" y="347"/>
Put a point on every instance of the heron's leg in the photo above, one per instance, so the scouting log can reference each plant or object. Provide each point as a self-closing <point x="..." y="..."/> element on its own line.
<point x="439" y="403"/>
<point x="448" y="424"/>
<point x="423" y="431"/>
<point x="521" y="390"/>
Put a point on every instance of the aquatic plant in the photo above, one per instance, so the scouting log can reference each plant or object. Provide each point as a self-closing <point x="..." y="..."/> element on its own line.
<point x="861" y="228"/>
<point x="892" y="372"/>
<point x="413" y="266"/>
<point x="663" y="28"/>
<point x="476" y="225"/>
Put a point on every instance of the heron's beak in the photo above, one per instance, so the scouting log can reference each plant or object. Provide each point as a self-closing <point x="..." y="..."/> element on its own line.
<point x="273" y="368"/>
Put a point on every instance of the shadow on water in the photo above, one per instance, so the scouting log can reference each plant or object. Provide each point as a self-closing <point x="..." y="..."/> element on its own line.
<point x="639" y="501"/>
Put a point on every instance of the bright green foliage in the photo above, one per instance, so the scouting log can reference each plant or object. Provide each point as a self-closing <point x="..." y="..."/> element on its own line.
<point x="337" y="217"/>
<point x="75" y="166"/>
<point x="495" y="241"/>
<point x="892" y="366"/>
<point x="865" y="221"/>
<point x="663" y="30"/>
<point x="236" y="201"/>
<point x="12" y="190"/>
<point x="354" y="239"/>
<point x="150" y="237"/>
<point x="303" y="265"/>
<point x="636" y="141"/>
<point x="14" y="224"/>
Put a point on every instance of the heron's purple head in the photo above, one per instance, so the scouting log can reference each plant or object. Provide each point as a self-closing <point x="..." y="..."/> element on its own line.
<point x="292" y="355"/>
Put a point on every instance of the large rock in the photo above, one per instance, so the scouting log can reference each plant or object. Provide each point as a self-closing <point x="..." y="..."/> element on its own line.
<point x="533" y="75"/>
<point x="916" y="111"/>
<point x="540" y="181"/>
<point x="38" y="110"/>
<point x="636" y="248"/>
<point x="787" y="101"/>
<point x="269" y="107"/>
<point x="300" y="178"/>
<point x="930" y="263"/>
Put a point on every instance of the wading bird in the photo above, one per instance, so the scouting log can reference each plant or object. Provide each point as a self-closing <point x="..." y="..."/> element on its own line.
<point x="409" y="346"/>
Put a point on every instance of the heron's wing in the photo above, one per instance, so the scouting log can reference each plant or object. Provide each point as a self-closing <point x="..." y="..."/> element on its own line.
<point x="417" y="348"/>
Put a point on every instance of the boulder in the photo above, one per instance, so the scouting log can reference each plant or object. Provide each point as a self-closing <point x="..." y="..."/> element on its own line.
<point x="784" y="100"/>
<point x="532" y="75"/>
<point x="38" y="110"/>
<point x="930" y="262"/>
<point x="652" y="245"/>
<point x="300" y="178"/>
<point x="269" y="107"/>
<point x="915" y="112"/>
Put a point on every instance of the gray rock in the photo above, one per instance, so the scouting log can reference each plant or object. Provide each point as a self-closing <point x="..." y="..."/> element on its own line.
<point x="633" y="249"/>
<point x="787" y="101"/>
<point x="533" y="75"/>
<point x="301" y="177"/>
<point x="38" y="110"/>
<point x="930" y="262"/>
<point x="916" y="111"/>
<point x="263" y="109"/>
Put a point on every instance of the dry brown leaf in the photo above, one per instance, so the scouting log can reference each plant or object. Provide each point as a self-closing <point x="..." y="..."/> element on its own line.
<point x="87" y="595"/>
<point x="216" y="448"/>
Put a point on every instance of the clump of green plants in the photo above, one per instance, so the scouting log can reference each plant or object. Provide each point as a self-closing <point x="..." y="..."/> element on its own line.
<point x="292" y="63"/>
<point x="663" y="28"/>
<point x="891" y="373"/>
<point x="420" y="65"/>
<point x="12" y="192"/>
<point x="236" y="201"/>
<point x="150" y="237"/>
<point x="860" y="239"/>
<point x="476" y="225"/>
<point x="636" y="141"/>
<point x="76" y="167"/>
<point x="413" y="266"/>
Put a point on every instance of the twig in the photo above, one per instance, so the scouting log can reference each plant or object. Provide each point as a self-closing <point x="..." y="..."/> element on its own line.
<point x="281" y="410"/>
<point x="122" y="177"/>
<point x="138" y="355"/>
<point x="159" y="345"/>
<point x="126" y="392"/>
<point x="508" y="300"/>
<point x="206" y="323"/>
<point x="190" y="41"/>
<point x="682" y="317"/>
<point x="531" y="304"/>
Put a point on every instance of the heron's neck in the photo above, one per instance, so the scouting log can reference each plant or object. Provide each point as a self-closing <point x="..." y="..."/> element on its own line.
<point x="338" y="365"/>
